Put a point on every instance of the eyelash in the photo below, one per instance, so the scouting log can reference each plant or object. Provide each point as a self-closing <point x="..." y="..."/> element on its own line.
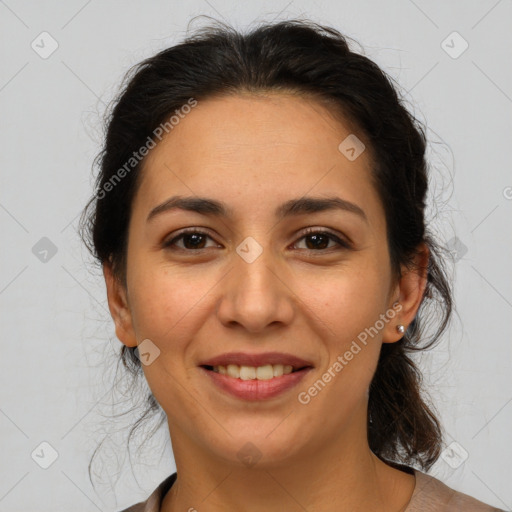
<point x="310" y="231"/>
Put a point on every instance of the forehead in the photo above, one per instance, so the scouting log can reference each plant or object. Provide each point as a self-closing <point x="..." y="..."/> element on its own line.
<point x="257" y="151"/>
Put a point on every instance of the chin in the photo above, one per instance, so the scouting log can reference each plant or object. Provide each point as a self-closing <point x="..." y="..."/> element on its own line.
<point x="259" y="448"/>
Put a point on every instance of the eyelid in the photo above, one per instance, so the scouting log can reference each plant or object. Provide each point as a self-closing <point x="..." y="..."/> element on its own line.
<point x="168" y="241"/>
<point x="342" y="241"/>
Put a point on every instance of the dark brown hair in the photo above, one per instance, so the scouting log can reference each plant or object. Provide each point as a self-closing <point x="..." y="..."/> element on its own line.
<point x="314" y="61"/>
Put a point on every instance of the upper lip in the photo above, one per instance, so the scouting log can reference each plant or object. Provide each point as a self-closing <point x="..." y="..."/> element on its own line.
<point x="245" y="359"/>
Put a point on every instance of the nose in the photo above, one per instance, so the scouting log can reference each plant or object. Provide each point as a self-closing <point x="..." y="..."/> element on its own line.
<point x="256" y="294"/>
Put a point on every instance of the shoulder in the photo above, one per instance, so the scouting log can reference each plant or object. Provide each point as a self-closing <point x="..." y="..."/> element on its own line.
<point x="432" y="495"/>
<point x="154" y="501"/>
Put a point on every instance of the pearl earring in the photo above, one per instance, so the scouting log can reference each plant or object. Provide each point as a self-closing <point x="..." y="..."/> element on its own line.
<point x="400" y="328"/>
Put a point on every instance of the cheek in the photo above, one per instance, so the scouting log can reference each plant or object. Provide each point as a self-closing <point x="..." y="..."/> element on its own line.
<point x="167" y="304"/>
<point x="166" y="309"/>
<point x="345" y="307"/>
<point x="346" y="300"/>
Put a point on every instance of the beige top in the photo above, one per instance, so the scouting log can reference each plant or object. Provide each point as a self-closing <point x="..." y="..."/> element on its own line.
<point x="430" y="495"/>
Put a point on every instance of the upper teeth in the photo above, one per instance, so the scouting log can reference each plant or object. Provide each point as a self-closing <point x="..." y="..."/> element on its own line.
<point x="251" y="372"/>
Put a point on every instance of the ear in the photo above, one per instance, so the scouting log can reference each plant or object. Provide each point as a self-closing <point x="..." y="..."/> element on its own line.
<point x="408" y="293"/>
<point x="119" y="308"/>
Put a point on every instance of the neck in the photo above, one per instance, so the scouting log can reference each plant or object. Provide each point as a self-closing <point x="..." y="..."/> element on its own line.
<point x="332" y="476"/>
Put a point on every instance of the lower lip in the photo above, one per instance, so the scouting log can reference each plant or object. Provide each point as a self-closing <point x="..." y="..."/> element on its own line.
<point x="255" y="389"/>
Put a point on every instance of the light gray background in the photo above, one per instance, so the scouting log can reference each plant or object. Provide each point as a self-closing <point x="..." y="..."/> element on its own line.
<point x="55" y="326"/>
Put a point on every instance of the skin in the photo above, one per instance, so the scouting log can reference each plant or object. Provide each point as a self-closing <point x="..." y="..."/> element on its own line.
<point x="254" y="152"/>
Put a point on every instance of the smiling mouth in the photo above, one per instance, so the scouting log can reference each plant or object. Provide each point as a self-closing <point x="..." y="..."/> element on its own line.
<point x="264" y="372"/>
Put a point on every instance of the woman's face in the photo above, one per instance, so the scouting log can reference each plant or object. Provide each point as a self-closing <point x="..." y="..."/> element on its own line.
<point x="279" y="291"/>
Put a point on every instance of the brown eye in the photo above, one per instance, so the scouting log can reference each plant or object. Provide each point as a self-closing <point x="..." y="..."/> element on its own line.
<point x="317" y="241"/>
<point x="192" y="240"/>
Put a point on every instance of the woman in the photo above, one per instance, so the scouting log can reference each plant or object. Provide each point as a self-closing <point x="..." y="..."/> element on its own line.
<point x="259" y="218"/>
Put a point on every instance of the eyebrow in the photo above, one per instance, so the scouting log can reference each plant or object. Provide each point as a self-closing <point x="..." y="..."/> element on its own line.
<point x="299" y="206"/>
